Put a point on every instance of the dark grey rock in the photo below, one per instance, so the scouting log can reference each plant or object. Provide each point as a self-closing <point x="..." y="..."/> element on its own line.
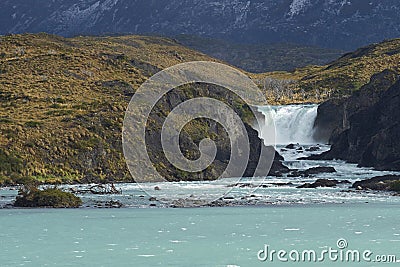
<point x="366" y="129"/>
<point x="313" y="149"/>
<point x="318" y="170"/>
<point x="382" y="183"/>
<point x="323" y="183"/>
<point x="311" y="171"/>
<point x="290" y="146"/>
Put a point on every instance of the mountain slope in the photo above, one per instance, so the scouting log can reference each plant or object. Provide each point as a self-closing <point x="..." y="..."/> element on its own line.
<point x="63" y="101"/>
<point x="62" y="104"/>
<point x="339" y="78"/>
<point x="343" y="24"/>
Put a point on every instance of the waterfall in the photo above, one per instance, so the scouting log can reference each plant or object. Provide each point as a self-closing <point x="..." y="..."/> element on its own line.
<point x="293" y="123"/>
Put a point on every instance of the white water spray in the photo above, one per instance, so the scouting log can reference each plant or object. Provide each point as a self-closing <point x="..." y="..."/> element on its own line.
<point x="293" y="123"/>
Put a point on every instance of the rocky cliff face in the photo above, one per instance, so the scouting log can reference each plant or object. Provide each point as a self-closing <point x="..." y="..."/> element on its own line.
<point x="334" y="115"/>
<point x="343" y="24"/>
<point x="365" y="128"/>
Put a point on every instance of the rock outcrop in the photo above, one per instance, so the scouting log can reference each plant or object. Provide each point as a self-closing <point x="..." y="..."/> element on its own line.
<point x="323" y="183"/>
<point x="365" y="127"/>
<point x="381" y="183"/>
<point x="312" y="171"/>
<point x="277" y="168"/>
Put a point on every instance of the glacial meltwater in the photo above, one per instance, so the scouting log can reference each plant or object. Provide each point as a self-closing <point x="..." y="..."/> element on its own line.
<point x="229" y="236"/>
<point x="276" y="224"/>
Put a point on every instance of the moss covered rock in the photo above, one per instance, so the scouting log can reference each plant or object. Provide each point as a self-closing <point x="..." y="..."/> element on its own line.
<point x="50" y="198"/>
<point x="381" y="183"/>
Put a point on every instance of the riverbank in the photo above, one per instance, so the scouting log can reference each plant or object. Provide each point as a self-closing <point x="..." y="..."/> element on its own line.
<point x="263" y="191"/>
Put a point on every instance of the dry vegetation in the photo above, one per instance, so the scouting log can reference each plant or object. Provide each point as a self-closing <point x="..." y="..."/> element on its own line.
<point x="340" y="78"/>
<point x="62" y="101"/>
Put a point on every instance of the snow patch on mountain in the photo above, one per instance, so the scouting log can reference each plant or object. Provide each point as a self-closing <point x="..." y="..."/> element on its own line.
<point x="241" y="11"/>
<point x="82" y="13"/>
<point x="297" y="6"/>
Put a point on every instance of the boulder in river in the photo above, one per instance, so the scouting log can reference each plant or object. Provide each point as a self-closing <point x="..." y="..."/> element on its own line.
<point x="318" y="170"/>
<point x="290" y="146"/>
<point x="381" y="183"/>
<point x="311" y="171"/>
<point x="313" y="149"/>
<point x="323" y="183"/>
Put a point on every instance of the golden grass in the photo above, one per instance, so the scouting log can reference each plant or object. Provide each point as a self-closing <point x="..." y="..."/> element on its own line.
<point x="62" y="100"/>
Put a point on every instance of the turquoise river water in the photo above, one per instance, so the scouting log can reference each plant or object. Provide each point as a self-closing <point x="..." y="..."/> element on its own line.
<point x="229" y="236"/>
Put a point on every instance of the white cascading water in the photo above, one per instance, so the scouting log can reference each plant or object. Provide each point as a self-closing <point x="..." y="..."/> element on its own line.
<point x="293" y="123"/>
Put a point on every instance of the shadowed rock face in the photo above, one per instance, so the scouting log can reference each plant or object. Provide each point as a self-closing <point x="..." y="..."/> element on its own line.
<point x="366" y="128"/>
<point x="334" y="115"/>
<point x="256" y="144"/>
<point x="330" y="120"/>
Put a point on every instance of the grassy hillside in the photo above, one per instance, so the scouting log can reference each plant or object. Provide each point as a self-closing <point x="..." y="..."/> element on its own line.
<point x="62" y="102"/>
<point x="340" y="78"/>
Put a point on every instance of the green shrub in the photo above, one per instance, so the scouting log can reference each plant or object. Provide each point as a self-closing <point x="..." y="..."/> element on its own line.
<point x="9" y="163"/>
<point x="47" y="198"/>
<point x="4" y="180"/>
<point x="55" y="105"/>
<point x="395" y="186"/>
<point x="33" y="124"/>
<point x="27" y="181"/>
<point x="61" y="112"/>
<point x="6" y="120"/>
<point x="92" y="142"/>
<point x="60" y="100"/>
